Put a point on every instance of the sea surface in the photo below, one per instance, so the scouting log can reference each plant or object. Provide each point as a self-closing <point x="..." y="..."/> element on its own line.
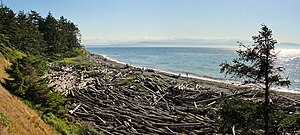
<point x="202" y="62"/>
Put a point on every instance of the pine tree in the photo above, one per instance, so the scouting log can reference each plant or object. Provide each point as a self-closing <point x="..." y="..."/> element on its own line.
<point x="28" y="38"/>
<point x="8" y="25"/>
<point x="256" y="65"/>
<point x="49" y="28"/>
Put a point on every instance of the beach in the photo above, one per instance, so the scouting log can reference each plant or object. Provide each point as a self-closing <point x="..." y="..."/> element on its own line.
<point x="118" y="98"/>
<point x="209" y="80"/>
<point x="202" y="63"/>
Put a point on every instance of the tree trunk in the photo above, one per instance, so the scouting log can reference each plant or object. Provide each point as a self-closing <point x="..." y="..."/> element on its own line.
<point x="267" y="92"/>
<point x="266" y="109"/>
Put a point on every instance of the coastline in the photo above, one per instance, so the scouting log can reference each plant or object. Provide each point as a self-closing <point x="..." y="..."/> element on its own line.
<point x="207" y="80"/>
<point x="109" y="93"/>
<point x="211" y="80"/>
<point x="192" y="76"/>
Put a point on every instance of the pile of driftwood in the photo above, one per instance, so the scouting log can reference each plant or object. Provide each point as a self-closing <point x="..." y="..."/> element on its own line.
<point x="120" y="99"/>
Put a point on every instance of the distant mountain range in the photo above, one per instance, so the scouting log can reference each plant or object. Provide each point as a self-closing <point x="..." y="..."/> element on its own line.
<point x="184" y="42"/>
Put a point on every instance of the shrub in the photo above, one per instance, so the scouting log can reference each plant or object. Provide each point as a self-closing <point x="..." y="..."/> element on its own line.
<point x="242" y="114"/>
<point x="4" y="120"/>
<point x="290" y="123"/>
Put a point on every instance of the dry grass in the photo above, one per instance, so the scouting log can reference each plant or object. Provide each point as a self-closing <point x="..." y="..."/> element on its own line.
<point x="22" y="119"/>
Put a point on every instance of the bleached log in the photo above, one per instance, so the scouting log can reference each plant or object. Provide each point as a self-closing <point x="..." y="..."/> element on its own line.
<point x="72" y="111"/>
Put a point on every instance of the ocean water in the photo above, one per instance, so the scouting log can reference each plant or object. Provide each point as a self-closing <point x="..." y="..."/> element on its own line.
<point x="203" y="62"/>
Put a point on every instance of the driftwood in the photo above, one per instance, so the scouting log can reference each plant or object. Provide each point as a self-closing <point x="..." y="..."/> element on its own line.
<point x="72" y="111"/>
<point x="290" y="99"/>
<point x="181" y="124"/>
<point x="218" y="98"/>
<point x="120" y="99"/>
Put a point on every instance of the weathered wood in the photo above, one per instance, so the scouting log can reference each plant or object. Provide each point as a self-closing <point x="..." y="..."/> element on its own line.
<point x="181" y="124"/>
<point x="120" y="99"/>
<point x="218" y="98"/>
<point x="293" y="100"/>
<point x="72" y="111"/>
<point x="158" y="99"/>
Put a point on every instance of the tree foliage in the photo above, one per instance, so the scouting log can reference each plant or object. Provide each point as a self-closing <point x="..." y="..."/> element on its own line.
<point x="8" y="51"/>
<point x="8" y="24"/>
<point x="255" y="64"/>
<point x="26" y="82"/>
<point x="28" y="38"/>
<point x="33" y="34"/>
<point x="243" y="114"/>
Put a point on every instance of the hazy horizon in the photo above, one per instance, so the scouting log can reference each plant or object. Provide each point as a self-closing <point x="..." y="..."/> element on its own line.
<point x="116" y="21"/>
<point x="188" y="43"/>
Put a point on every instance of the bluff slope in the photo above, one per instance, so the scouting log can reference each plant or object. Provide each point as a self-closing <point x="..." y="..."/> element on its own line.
<point x="16" y="117"/>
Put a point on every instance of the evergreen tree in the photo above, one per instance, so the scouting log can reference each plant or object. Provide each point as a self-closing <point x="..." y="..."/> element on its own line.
<point x="35" y="18"/>
<point x="26" y="82"/>
<point x="62" y="36"/>
<point x="28" y="38"/>
<point x="49" y="28"/>
<point x="8" y="25"/>
<point x="256" y="65"/>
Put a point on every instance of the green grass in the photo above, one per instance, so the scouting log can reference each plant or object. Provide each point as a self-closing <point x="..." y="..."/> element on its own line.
<point x="129" y="80"/>
<point x="4" y="120"/>
<point x="77" y="61"/>
<point x="61" y="125"/>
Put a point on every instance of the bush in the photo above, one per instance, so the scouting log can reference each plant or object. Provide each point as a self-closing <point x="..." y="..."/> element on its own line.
<point x="290" y="123"/>
<point x="247" y="117"/>
<point x="55" y="103"/>
<point x="25" y="81"/>
<point x="4" y="120"/>
<point x="243" y="114"/>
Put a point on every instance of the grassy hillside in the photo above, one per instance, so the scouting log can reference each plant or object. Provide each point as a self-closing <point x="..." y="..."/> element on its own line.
<point x="16" y="118"/>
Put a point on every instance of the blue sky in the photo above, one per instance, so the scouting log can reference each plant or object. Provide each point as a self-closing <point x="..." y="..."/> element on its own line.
<point x="111" y="21"/>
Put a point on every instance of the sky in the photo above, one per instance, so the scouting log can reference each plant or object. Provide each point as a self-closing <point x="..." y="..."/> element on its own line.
<point x="114" y="21"/>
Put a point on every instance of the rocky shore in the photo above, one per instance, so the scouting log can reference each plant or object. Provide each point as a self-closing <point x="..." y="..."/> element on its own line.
<point x="121" y="99"/>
